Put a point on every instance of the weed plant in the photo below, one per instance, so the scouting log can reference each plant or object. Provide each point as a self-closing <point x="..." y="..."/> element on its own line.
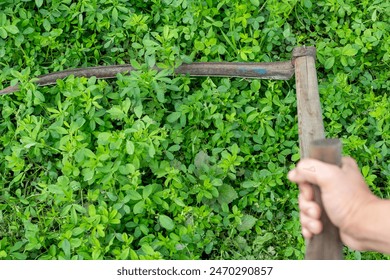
<point x="155" y="166"/>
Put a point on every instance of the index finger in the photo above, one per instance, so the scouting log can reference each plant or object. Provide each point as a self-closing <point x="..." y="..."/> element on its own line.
<point x="313" y="171"/>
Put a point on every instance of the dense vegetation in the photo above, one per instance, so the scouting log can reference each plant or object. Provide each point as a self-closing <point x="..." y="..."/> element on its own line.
<point x="154" y="166"/>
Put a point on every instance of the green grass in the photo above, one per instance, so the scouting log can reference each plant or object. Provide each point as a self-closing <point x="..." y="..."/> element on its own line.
<point x="150" y="166"/>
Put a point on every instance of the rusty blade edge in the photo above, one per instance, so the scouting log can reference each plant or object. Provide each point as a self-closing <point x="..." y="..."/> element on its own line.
<point x="263" y="70"/>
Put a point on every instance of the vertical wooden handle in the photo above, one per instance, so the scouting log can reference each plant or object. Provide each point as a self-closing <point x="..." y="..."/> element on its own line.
<point x="310" y="123"/>
<point x="326" y="245"/>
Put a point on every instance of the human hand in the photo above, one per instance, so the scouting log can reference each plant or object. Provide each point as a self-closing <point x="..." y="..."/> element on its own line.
<point x="344" y="194"/>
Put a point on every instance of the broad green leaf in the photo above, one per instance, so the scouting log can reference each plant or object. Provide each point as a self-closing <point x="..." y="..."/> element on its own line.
<point x="77" y="231"/>
<point x="3" y="33"/>
<point x="166" y="31"/>
<point x="307" y="3"/>
<point x="126" y="105"/>
<point x="130" y="168"/>
<point x="201" y="160"/>
<point x="172" y="117"/>
<point x="253" y="116"/>
<point x="374" y="15"/>
<point x="151" y="150"/>
<point x="139" y="207"/>
<point x="147" y="191"/>
<point x="160" y="95"/>
<point x="17" y="246"/>
<point x="124" y="170"/>
<point x="130" y="147"/>
<point x="100" y="230"/>
<point x="75" y="242"/>
<point x="96" y="253"/>
<point x="115" y="14"/>
<point x="134" y="63"/>
<point x="115" y="221"/>
<point x="365" y="170"/>
<point x="39" y="98"/>
<point x="329" y="62"/>
<point x="174" y="148"/>
<point x="209" y="247"/>
<point x="38" y="3"/>
<point x="255" y="2"/>
<point x="46" y="24"/>
<point x="116" y="113"/>
<point x="88" y="153"/>
<point x="79" y="208"/>
<point x="166" y="222"/>
<point x="235" y="149"/>
<point x="79" y="155"/>
<point x="12" y="29"/>
<point x="19" y="256"/>
<point x="73" y="216"/>
<point x="217" y="182"/>
<point x="144" y="229"/>
<point x="269" y="215"/>
<point x="133" y="255"/>
<point x="147" y="249"/>
<point x="32" y="245"/>
<point x="227" y="194"/>
<point x="28" y="30"/>
<point x="243" y="56"/>
<point x="225" y="207"/>
<point x="91" y="210"/>
<point x="348" y="50"/>
<point x="134" y="195"/>
<point x="124" y="254"/>
<point x="218" y="24"/>
<point x="76" y="125"/>
<point x="288" y="252"/>
<point x="65" y="210"/>
<point x="138" y="111"/>
<point x="249" y="184"/>
<point x="55" y="189"/>
<point x="65" y="246"/>
<point x="261" y="239"/>
<point x="247" y="222"/>
<point x="151" y="62"/>
<point x="103" y="138"/>
<point x="344" y="61"/>
<point x="270" y="131"/>
<point x="88" y="174"/>
<point x="255" y="85"/>
<point x="56" y="32"/>
<point x="112" y="196"/>
<point x="179" y="202"/>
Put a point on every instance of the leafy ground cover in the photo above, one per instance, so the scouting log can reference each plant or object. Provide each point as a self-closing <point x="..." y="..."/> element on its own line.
<point x="153" y="166"/>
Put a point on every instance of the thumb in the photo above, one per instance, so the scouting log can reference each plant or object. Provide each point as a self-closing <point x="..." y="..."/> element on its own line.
<point x="313" y="171"/>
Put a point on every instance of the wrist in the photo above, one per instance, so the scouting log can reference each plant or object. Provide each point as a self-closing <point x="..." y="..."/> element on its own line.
<point x="370" y="227"/>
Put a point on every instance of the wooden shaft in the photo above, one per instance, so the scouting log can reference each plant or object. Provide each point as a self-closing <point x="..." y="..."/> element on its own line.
<point x="263" y="70"/>
<point x="310" y="128"/>
<point x="280" y="70"/>
<point x="327" y="245"/>
<point x="310" y="124"/>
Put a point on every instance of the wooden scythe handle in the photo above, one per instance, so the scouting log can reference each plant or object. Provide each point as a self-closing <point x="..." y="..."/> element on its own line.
<point x="326" y="245"/>
<point x="281" y="70"/>
<point x="310" y="125"/>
